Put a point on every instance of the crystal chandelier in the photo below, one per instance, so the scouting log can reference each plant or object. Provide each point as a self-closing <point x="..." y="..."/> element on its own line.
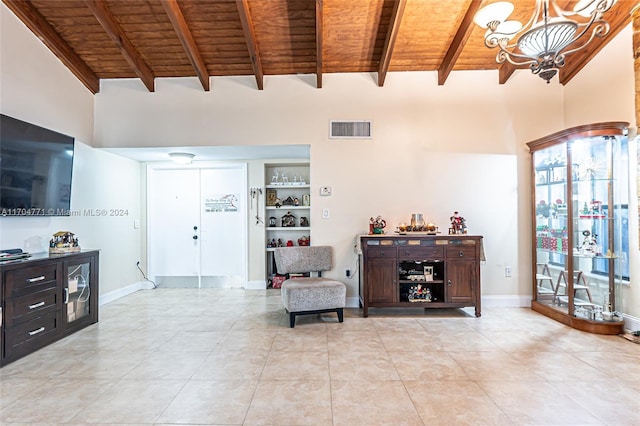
<point x="548" y="36"/>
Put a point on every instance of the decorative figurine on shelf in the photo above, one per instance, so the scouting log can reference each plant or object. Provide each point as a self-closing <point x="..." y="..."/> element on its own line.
<point x="304" y="221"/>
<point x="288" y="220"/>
<point x="272" y="243"/>
<point x="458" y="224"/>
<point x="278" y="203"/>
<point x="279" y="243"/>
<point x="304" y="241"/>
<point x="296" y="201"/>
<point x="274" y="178"/>
<point x="289" y="201"/>
<point x="64" y="242"/>
<point x="419" y="294"/>
<point x="590" y="244"/>
<point x="377" y="225"/>
<point x="290" y="243"/>
<point x="272" y="221"/>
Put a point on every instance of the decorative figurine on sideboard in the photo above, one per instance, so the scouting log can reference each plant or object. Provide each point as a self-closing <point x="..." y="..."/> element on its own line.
<point x="377" y="225"/>
<point x="458" y="224"/>
<point x="64" y="242"/>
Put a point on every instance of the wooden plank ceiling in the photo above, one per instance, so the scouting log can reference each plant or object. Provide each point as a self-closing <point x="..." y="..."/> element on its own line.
<point x="145" y="39"/>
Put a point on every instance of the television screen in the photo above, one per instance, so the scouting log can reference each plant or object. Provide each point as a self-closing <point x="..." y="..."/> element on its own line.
<point x="35" y="170"/>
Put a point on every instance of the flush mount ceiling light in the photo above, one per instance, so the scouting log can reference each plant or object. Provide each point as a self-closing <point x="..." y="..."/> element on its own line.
<point x="181" y="157"/>
<point x="545" y="40"/>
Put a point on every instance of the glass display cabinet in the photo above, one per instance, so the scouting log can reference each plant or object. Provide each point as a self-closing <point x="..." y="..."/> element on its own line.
<point x="580" y="225"/>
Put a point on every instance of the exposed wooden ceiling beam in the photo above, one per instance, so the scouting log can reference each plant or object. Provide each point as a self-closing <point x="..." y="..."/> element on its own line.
<point x="390" y="40"/>
<point x="617" y="20"/>
<point x="458" y="42"/>
<point x="115" y="32"/>
<point x="48" y="35"/>
<point x="319" y="34"/>
<point x="505" y="72"/>
<point x="181" y="28"/>
<point x="250" y="37"/>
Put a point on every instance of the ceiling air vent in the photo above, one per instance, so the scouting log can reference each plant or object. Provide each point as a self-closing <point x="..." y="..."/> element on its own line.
<point x="350" y="129"/>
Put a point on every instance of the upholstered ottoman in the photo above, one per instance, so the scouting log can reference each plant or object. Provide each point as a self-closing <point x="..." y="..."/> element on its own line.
<point x="309" y="295"/>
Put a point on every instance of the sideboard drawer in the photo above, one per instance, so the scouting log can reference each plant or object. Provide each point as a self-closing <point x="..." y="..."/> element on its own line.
<point x="30" y="335"/>
<point x="25" y="308"/>
<point x="463" y="252"/>
<point x="420" y="253"/>
<point x="378" y="252"/>
<point x="24" y="280"/>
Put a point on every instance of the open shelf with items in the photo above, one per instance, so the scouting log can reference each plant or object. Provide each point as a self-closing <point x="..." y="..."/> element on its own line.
<point x="579" y="202"/>
<point x="287" y="208"/>
<point x="420" y="271"/>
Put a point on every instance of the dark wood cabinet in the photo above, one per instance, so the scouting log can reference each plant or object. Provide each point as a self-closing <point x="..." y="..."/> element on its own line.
<point x="423" y="271"/>
<point x="44" y="298"/>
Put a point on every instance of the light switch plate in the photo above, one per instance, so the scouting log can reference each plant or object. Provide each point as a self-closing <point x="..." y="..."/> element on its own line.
<point x="325" y="190"/>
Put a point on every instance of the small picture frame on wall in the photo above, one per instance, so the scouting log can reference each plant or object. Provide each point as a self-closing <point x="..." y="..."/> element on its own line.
<point x="272" y="195"/>
<point x="306" y="200"/>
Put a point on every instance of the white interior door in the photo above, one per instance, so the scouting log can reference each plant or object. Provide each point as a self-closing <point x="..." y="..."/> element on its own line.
<point x="197" y="226"/>
<point x="172" y="215"/>
<point x="223" y="216"/>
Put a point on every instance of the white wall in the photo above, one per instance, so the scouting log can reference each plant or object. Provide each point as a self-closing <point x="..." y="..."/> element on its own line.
<point x="36" y="87"/>
<point x="435" y="149"/>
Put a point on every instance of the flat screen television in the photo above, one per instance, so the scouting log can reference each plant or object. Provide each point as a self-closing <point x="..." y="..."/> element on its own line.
<point x="35" y="170"/>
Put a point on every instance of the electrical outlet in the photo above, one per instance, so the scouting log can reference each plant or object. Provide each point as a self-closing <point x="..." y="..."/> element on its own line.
<point x="507" y="272"/>
<point x="325" y="213"/>
<point x="325" y="190"/>
<point x="348" y="273"/>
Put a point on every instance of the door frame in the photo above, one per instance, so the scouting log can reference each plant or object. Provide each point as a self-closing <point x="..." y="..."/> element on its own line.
<point x="243" y="166"/>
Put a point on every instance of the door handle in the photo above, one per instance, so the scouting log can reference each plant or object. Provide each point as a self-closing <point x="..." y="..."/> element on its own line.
<point x="449" y="283"/>
<point x="195" y="228"/>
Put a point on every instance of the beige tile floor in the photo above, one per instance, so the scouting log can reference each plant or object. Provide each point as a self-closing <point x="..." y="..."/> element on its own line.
<point x="228" y="357"/>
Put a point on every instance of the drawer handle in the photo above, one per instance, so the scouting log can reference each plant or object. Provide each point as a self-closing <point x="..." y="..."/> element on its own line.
<point x="36" y="279"/>
<point x="34" y="332"/>
<point x="36" y="305"/>
<point x="461" y="253"/>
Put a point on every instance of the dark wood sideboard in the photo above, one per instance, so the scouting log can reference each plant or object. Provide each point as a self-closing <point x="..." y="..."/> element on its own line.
<point x="45" y="298"/>
<point x="392" y="267"/>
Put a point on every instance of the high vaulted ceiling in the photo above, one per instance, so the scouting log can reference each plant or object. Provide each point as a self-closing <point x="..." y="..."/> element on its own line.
<point x="145" y="39"/>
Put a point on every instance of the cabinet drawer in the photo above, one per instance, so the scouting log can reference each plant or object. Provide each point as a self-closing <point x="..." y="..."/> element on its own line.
<point x="461" y="252"/>
<point x="420" y="253"/>
<point x="24" y="280"/>
<point x="31" y="335"/>
<point x="376" y="252"/>
<point x="25" y="308"/>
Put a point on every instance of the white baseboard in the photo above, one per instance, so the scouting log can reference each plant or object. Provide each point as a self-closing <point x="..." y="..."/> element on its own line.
<point x="352" y="302"/>
<point x="121" y="292"/>
<point x="506" y="301"/>
<point x="631" y="323"/>
<point x="256" y="285"/>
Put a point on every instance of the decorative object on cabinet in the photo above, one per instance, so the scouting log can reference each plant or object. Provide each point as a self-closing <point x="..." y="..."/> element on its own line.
<point x="64" y="242"/>
<point x="272" y="221"/>
<point x="304" y="221"/>
<point x="392" y="265"/>
<point x="580" y="241"/>
<point x="304" y="241"/>
<point x="377" y="225"/>
<point x="45" y="298"/>
<point x="458" y="224"/>
<point x="306" y="200"/>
